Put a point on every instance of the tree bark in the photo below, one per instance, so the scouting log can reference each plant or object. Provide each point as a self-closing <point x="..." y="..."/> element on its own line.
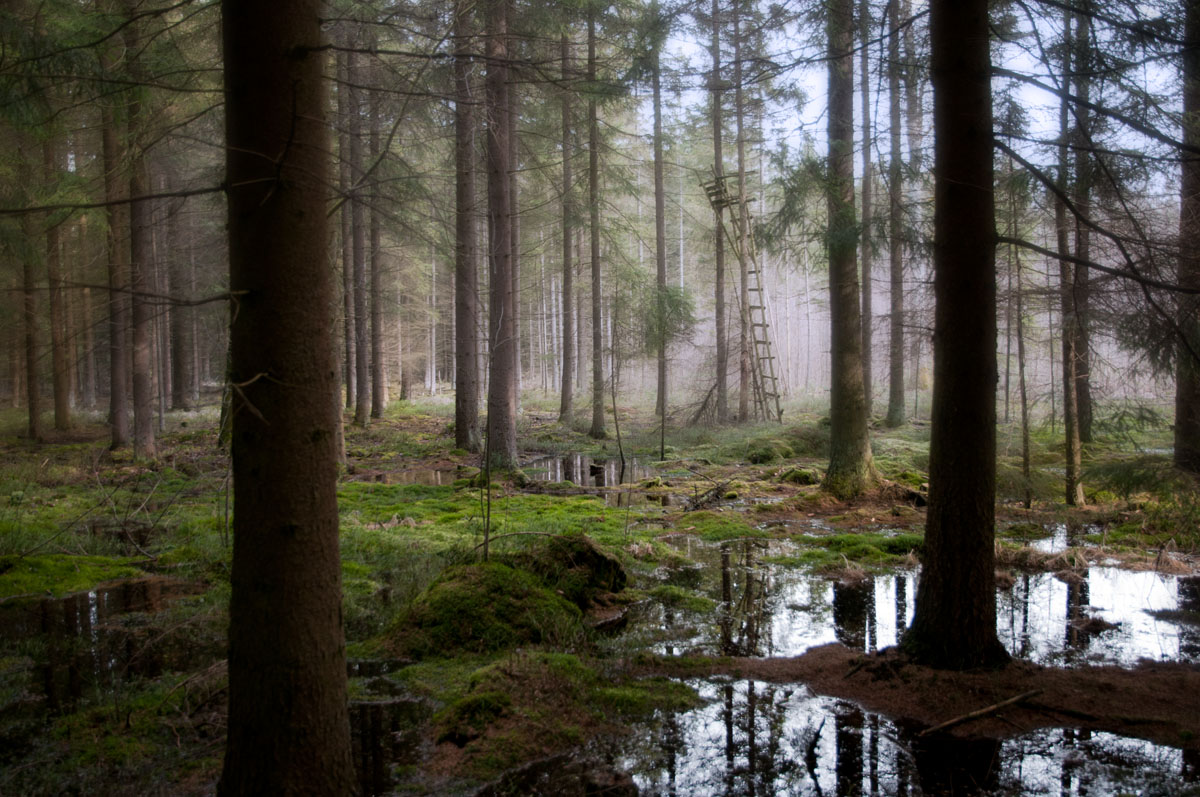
<point x="745" y="372"/>
<point x="719" y="223"/>
<point x="183" y="344"/>
<point x="1187" y="377"/>
<point x="288" y="728"/>
<point x="141" y="259"/>
<point x="1080" y="290"/>
<point x="660" y="227"/>
<point x="29" y="293"/>
<point x="59" y="357"/>
<point x="597" y="428"/>
<point x="358" y="238"/>
<point x="895" y="412"/>
<point x="955" y="622"/>
<point x="346" y="186"/>
<point x="502" y="378"/>
<point x="868" y="208"/>
<point x="566" y="407"/>
<point x="378" y="378"/>
<point x="466" y="275"/>
<point x="851" y="470"/>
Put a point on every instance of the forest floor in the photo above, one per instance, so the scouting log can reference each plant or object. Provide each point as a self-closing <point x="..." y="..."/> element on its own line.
<point x="621" y="625"/>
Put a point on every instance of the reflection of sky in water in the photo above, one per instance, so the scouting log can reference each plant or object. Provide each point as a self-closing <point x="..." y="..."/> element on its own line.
<point x="779" y="739"/>
<point x="781" y="611"/>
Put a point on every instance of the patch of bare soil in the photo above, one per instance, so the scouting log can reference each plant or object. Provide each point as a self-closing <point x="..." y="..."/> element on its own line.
<point x="1156" y="701"/>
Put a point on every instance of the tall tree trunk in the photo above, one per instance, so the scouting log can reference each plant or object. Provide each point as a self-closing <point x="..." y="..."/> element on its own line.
<point x="716" y="86"/>
<point x="59" y="357"/>
<point x="1070" y="318"/>
<point x="566" y="407"/>
<point x="868" y="208"/>
<point x="1187" y="376"/>
<point x="378" y="379"/>
<point x="895" y="412"/>
<point x="1080" y="290"/>
<point x="502" y="379"/>
<point x="1022" y="388"/>
<point x="288" y="729"/>
<point x="358" y="238"/>
<point x="514" y="160"/>
<point x="466" y="273"/>
<point x="117" y="250"/>
<point x="29" y="294"/>
<point x="955" y="621"/>
<point x="141" y="255"/>
<point x="345" y="187"/>
<point x="183" y="344"/>
<point x="660" y="227"/>
<point x="851" y="470"/>
<point x="743" y="221"/>
<point x="597" y="428"/>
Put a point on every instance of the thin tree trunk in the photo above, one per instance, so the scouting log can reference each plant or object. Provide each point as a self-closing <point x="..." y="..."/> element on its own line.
<point x="597" y="428"/>
<point x="1080" y="290"/>
<point x="566" y="406"/>
<point x="358" y="236"/>
<point x="29" y="294"/>
<point x="660" y="230"/>
<point x="868" y="209"/>
<point x="183" y="345"/>
<point x="719" y="223"/>
<point x="288" y="724"/>
<point x="345" y="187"/>
<point x="117" y="245"/>
<point x="743" y="222"/>
<point x="502" y="379"/>
<point x="515" y="219"/>
<point x="378" y="381"/>
<point x="60" y="360"/>
<point x="140" y="262"/>
<point x="1070" y="322"/>
<point x="851" y="470"/>
<point x="1187" y="375"/>
<point x="466" y="273"/>
<point x="895" y="413"/>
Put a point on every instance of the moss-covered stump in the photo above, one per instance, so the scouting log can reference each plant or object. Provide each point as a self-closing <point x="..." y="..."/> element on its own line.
<point x="483" y="607"/>
<point x="576" y="568"/>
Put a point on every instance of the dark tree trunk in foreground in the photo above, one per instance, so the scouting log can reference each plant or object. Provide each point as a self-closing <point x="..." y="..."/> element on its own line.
<point x="466" y="275"/>
<point x="29" y="302"/>
<point x="955" y="622"/>
<point x="1187" y="384"/>
<point x="851" y="470"/>
<point x="895" y="412"/>
<point x="502" y="376"/>
<point x="289" y="728"/>
<point x="566" y="407"/>
<point x="597" y="428"/>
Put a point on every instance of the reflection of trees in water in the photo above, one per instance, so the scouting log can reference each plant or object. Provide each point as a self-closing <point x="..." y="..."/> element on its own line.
<point x="1189" y="629"/>
<point x="854" y="614"/>
<point x="747" y="600"/>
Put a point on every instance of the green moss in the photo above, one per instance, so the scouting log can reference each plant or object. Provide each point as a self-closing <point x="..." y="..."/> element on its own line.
<point x="680" y="598"/>
<point x="646" y="696"/>
<point x="59" y="575"/>
<point x="808" y="441"/>
<point x="1025" y="531"/>
<point x="574" y="567"/>
<point x="869" y="550"/>
<point x="717" y="526"/>
<point x="764" y="450"/>
<point x="469" y="716"/>
<point x="802" y="476"/>
<point x="482" y="607"/>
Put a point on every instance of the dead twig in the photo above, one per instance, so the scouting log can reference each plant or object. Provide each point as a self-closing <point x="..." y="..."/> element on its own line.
<point x="983" y="712"/>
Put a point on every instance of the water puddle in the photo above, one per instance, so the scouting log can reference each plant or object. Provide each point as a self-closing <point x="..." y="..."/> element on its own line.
<point x="87" y="644"/>
<point x="585" y="471"/>
<point x="430" y="477"/>
<point x="755" y="608"/>
<point x="759" y="738"/>
<point x="386" y="735"/>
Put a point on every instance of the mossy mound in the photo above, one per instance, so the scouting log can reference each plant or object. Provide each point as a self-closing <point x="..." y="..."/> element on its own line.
<point x="808" y="441"/>
<point x="575" y="567"/>
<point x="1026" y="531"/>
<point x="870" y="551"/>
<point x="484" y="607"/>
<point x="764" y="450"/>
<point x="801" y="476"/>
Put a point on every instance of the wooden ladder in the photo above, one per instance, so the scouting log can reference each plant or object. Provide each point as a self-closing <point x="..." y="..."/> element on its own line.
<point x="740" y="233"/>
